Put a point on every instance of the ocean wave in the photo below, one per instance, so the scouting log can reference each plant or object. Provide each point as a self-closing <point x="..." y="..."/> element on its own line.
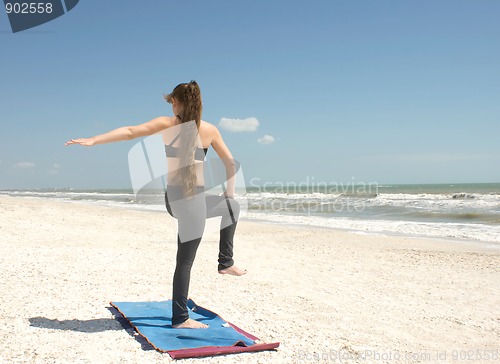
<point x="462" y="213"/>
<point x="476" y="232"/>
<point x="463" y="195"/>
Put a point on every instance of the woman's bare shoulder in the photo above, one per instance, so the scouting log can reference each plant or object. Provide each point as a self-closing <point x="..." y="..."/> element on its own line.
<point x="207" y="124"/>
<point x="168" y="120"/>
<point x="209" y="128"/>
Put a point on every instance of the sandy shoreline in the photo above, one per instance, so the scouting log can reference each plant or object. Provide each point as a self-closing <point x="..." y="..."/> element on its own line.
<point x="320" y="292"/>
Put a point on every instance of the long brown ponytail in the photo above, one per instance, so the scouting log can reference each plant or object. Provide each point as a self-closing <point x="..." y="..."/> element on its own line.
<point x="189" y="95"/>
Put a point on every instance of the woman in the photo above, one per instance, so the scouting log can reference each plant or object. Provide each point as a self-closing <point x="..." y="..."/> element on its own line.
<point x="187" y="139"/>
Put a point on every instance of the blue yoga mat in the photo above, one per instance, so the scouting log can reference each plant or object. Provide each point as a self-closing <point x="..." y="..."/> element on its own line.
<point x="153" y="321"/>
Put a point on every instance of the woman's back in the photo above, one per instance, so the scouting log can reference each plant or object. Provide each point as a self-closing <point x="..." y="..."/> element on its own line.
<point x="185" y="148"/>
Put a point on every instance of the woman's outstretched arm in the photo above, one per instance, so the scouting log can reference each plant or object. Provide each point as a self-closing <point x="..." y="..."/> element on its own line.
<point x="126" y="132"/>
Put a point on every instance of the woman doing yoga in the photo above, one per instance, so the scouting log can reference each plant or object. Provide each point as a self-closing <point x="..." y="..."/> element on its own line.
<point x="187" y="139"/>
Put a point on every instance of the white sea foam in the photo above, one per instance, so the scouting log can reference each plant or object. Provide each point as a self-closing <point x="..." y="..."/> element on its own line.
<point x="478" y="232"/>
<point x="468" y="215"/>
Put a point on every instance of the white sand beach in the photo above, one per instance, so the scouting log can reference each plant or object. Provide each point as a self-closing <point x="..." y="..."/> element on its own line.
<point x="321" y="293"/>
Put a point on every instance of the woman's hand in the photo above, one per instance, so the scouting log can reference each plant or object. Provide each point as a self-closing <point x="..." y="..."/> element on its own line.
<point x="227" y="195"/>
<point x="87" y="142"/>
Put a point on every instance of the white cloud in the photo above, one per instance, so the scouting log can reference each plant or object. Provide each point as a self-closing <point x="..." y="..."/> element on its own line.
<point x="56" y="166"/>
<point x="266" y="139"/>
<point x="24" y="165"/>
<point x="239" y="125"/>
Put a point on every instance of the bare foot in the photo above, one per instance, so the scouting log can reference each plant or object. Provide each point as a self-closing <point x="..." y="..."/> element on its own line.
<point x="190" y="324"/>
<point x="233" y="270"/>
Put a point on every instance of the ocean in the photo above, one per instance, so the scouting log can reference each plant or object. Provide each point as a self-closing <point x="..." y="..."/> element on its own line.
<point x="455" y="211"/>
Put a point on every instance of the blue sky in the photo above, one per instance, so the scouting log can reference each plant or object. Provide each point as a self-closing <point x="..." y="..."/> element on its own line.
<point x="371" y="91"/>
